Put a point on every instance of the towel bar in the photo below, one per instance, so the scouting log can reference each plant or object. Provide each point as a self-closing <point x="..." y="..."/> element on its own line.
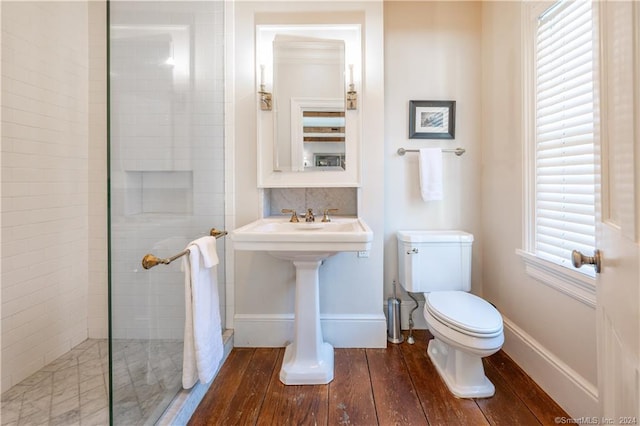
<point x="456" y="151"/>
<point x="149" y="260"/>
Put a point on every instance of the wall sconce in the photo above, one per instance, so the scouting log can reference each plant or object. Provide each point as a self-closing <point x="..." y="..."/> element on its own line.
<point x="352" y="95"/>
<point x="265" y="97"/>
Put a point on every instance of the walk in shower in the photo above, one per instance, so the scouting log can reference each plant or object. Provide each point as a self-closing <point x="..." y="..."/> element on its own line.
<point x="112" y="147"/>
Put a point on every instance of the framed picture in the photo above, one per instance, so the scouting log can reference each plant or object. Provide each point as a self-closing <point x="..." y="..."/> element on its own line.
<point x="432" y="119"/>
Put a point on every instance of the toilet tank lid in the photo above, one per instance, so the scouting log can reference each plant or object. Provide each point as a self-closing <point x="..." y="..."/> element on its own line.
<point x="441" y="236"/>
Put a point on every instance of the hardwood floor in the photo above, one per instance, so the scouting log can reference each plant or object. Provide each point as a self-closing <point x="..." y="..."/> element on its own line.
<point x="393" y="386"/>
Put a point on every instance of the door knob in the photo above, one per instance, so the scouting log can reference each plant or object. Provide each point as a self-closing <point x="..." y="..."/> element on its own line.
<point x="578" y="259"/>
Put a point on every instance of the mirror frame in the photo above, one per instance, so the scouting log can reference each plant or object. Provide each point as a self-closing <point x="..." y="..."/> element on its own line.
<point x="267" y="176"/>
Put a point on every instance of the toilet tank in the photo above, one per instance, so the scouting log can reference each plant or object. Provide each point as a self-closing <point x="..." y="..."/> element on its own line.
<point x="434" y="260"/>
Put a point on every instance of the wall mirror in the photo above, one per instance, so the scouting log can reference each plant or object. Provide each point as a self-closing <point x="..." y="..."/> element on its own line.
<point x="308" y="99"/>
<point x="308" y="138"/>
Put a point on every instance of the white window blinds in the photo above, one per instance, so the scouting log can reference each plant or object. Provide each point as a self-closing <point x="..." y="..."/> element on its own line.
<point x="564" y="133"/>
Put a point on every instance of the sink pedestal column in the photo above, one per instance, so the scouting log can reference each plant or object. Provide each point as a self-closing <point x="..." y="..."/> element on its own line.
<point x="308" y="360"/>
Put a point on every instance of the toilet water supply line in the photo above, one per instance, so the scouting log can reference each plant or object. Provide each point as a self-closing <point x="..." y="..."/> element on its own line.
<point x="410" y="339"/>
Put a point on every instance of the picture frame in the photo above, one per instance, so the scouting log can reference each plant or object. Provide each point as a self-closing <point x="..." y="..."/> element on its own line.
<point x="432" y="119"/>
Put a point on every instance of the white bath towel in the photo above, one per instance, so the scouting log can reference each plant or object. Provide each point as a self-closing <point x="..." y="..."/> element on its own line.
<point x="203" y="347"/>
<point x="430" y="164"/>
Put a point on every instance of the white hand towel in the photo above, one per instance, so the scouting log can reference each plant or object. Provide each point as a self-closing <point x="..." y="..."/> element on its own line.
<point x="203" y="347"/>
<point x="430" y="163"/>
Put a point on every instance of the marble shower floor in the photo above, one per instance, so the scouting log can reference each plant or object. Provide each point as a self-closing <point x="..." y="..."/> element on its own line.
<point x="73" y="389"/>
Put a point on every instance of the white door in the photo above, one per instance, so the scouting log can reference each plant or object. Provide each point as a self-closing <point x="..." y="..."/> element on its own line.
<point x="618" y="284"/>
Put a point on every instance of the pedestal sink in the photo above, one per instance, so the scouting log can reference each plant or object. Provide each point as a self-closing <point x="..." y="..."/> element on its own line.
<point x="308" y="360"/>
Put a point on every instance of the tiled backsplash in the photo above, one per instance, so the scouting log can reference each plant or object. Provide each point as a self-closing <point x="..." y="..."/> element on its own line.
<point x="318" y="199"/>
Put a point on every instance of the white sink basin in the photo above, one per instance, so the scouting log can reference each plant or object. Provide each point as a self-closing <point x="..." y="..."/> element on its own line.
<point x="278" y="234"/>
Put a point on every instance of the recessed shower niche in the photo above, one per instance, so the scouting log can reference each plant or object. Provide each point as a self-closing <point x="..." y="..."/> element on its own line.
<point x="159" y="192"/>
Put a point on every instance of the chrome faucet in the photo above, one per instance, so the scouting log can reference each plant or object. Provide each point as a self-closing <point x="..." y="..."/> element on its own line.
<point x="294" y="215"/>
<point x="309" y="217"/>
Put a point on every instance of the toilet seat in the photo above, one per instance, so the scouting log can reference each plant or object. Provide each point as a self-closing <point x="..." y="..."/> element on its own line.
<point x="465" y="313"/>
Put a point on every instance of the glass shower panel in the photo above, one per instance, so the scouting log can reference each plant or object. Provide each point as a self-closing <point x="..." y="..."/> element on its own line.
<point x="166" y="186"/>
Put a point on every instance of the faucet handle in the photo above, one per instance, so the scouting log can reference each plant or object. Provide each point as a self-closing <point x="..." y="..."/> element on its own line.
<point x="294" y="215"/>
<point x="325" y="216"/>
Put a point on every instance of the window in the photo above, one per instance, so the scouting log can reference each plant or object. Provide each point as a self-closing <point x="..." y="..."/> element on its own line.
<point x="560" y="123"/>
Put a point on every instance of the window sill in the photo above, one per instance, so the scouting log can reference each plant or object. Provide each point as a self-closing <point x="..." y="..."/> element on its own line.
<point x="574" y="284"/>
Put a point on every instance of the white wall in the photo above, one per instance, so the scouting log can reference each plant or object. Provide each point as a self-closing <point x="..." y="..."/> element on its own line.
<point x="351" y="287"/>
<point x="45" y="231"/>
<point x="549" y="334"/>
<point x="432" y="52"/>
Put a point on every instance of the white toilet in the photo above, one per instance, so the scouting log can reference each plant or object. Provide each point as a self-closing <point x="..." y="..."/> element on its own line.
<point x="465" y="327"/>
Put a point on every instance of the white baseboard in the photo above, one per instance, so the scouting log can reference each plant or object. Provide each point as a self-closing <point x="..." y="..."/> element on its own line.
<point x="576" y="395"/>
<point x="342" y="331"/>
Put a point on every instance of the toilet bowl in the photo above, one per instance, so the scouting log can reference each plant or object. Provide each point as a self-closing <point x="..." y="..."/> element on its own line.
<point x="465" y="327"/>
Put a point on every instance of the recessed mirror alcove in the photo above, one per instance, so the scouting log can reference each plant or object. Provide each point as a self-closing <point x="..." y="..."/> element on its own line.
<point x="308" y="138"/>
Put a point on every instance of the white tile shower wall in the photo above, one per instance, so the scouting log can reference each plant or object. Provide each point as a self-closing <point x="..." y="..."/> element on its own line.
<point x="318" y="199"/>
<point x="44" y="183"/>
<point x="167" y="155"/>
